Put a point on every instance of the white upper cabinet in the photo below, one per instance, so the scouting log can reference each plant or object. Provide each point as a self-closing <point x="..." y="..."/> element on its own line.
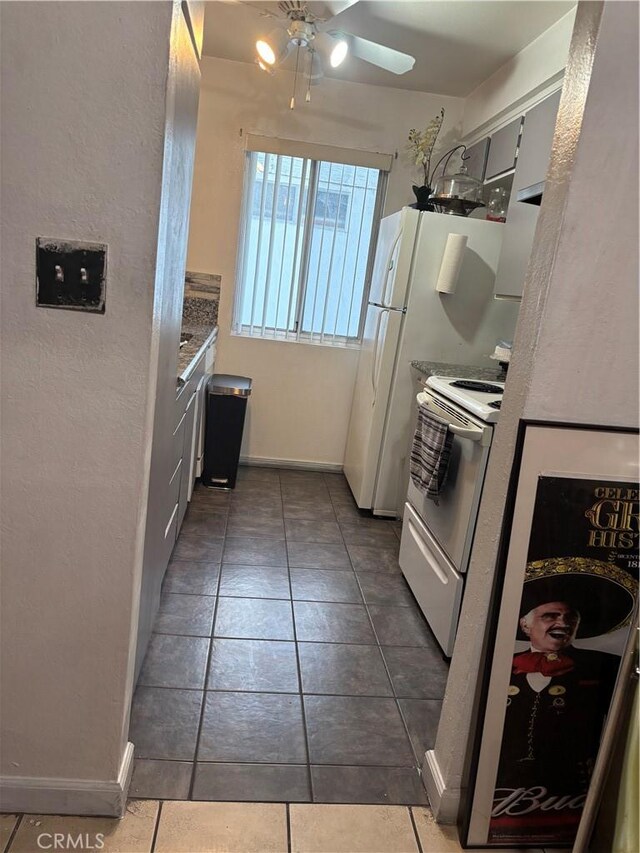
<point x="502" y="149"/>
<point x="475" y="158"/>
<point x="531" y="169"/>
<point x="535" y="146"/>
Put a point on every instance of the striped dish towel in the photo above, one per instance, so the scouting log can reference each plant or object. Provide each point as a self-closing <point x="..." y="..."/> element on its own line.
<point x="430" y="453"/>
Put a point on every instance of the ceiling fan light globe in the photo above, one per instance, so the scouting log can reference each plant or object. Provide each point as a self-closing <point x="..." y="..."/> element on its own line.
<point x="265" y="52"/>
<point x="274" y="48"/>
<point x="339" y="53"/>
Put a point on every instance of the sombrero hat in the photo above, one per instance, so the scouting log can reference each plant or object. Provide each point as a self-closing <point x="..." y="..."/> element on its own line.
<point x="602" y="593"/>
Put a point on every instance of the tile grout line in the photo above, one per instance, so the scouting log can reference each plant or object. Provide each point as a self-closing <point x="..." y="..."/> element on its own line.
<point x="304" y="643"/>
<point x="415" y="828"/>
<point x="288" y="819"/>
<point x="406" y="726"/>
<point x="395" y="696"/>
<point x="388" y="672"/>
<point x="156" y="828"/>
<point x="378" y="645"/>
<point x="275" y="763"/>
<point x="14" y="832"/>
<point x="300" y="693"/>
<point x="206" y="680"/>
<point x="277" y="598"/>
<point x="393" y="687"/>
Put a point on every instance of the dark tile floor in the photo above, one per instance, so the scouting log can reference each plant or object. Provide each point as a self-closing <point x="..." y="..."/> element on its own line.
<point x="289" y="660"/>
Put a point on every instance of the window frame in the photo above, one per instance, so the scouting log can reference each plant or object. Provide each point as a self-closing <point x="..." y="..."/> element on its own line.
<point x="296" y="334"/>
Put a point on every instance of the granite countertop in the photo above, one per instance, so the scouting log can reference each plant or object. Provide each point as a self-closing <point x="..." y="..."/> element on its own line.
<point x="189" y="354"/>
<point x="463" y="371"/>
<point x="200" y="321"/>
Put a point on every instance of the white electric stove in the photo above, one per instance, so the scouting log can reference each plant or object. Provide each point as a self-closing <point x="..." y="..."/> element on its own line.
<point x="437" y="537"/>
<point x="480" y="397"/>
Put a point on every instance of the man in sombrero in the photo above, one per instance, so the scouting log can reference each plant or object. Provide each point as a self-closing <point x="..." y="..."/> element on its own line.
<point x="558" y="694"/>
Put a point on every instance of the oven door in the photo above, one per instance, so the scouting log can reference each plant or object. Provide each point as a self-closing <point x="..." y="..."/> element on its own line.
<point x="433" y="580"/>
<point x="452" y="520"/>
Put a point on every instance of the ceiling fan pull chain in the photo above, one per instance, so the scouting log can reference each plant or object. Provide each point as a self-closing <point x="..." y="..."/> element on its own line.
<point x="295" y="80"/>
<point x="312" y="54"/>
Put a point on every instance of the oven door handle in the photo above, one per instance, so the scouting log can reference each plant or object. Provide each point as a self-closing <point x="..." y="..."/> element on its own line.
<point x="471" y="433"/>
<point x="463" y="432"/>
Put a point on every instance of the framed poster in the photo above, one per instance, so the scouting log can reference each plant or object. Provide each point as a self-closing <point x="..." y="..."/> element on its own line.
<point x="570" y="586"/>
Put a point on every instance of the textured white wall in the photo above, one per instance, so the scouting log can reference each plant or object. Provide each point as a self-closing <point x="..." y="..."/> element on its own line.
<point x="586" y="365"/>
<point x="83" y="107"/>
<point x="301" y="401"/>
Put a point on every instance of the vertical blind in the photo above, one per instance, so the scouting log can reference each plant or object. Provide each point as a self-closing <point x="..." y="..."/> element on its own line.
<point x="305" y="248"/>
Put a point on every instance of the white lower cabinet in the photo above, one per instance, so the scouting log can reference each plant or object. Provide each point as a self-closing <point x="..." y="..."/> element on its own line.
<point x="198" y="435"/>
<point x="191" y="408"/>
<point x="171" y="525"/>
<point x="186" y="484"/>
<point x="432" y="578"/>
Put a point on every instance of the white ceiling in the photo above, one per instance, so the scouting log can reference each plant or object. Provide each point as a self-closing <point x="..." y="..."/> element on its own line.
<point x="457" y="43"/>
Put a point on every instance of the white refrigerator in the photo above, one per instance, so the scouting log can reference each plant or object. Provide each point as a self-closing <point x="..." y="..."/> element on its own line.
<point x="408" y="319"/>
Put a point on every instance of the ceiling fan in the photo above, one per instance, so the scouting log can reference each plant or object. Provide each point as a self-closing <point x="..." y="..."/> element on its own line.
<point x="312" y="27"/>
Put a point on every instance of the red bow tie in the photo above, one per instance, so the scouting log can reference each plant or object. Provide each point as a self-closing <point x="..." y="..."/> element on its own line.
<point x="547" y="664"/>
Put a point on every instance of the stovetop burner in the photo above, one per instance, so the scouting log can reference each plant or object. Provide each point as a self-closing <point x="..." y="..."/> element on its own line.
<point x="495" y="404"/>
<point x="475" y="385"/>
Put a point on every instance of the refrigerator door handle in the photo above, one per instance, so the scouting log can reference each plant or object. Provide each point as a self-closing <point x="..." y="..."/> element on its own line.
<point x="389" y="267"/>
<point x="374" y="360"/>
<point x="386" y="307"/>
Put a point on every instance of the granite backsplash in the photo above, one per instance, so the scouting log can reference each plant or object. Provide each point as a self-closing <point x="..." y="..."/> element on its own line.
<point x="200" y="312"/>
<point x="201" y="299"/>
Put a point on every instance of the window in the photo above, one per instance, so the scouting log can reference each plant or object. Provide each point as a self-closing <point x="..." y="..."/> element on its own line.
<point x="285" y="201"/>
<point x="331" y="208"/>
<point x="305" y="248"/>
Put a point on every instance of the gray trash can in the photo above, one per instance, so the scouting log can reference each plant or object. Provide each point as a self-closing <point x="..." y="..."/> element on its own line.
<point x="227" y="398"/>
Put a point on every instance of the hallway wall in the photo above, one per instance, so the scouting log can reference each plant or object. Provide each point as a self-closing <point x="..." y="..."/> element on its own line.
<point x="82" y="149"/>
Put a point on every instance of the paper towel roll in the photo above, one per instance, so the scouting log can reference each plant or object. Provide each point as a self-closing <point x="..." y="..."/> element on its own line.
<point x="452" y="258"/>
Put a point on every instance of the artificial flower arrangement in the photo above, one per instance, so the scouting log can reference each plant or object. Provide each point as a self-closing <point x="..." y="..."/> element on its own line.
<point x="420" y="147"/>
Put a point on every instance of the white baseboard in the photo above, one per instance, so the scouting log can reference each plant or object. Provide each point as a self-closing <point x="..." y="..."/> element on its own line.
<point x="266" y="462"/>
<point x="68" y="796"/>
<point x="445" y="803"/>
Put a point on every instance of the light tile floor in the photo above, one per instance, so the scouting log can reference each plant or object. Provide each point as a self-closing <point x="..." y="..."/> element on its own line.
<point x="150" y="826"/>
<point x="289" y="661"/>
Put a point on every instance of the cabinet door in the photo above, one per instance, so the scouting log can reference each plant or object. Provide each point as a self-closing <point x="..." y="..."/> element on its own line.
<point x="502" y="149"/>
<point x="535" y="147"/>
<point x="186" y="459"/>
<point x="519" y="232"/>
<point x="198" y="433"/>
<point x="531" y="168"/>
<point x="475" y="159"/>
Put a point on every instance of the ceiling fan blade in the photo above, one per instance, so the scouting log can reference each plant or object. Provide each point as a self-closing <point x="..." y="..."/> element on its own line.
<point x="377" y="54"/>
<point x="337" y="6"/>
